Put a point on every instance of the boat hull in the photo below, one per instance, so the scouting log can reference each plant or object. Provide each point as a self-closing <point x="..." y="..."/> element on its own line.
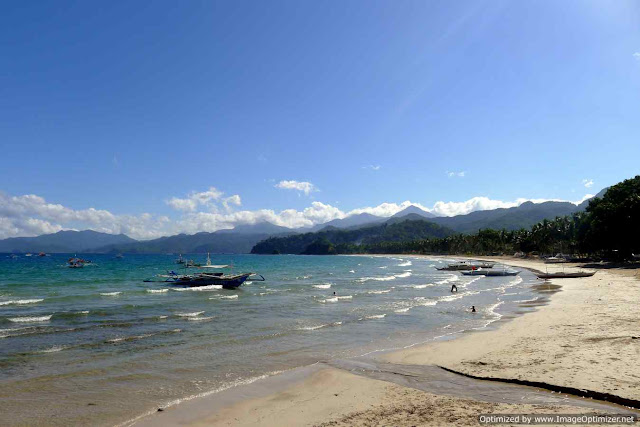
<point x="227" y="282"/>
<point x="564" y="275"/>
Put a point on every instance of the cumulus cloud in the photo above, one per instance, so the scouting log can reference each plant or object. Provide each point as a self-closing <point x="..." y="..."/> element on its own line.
<point x="195" y="200"/>
<point x="31" y="215"/>
<point x="301" y="186"/>
<point x="637" y="55"/>
<point x="588" y="183"/>
<point x="372" y="167"/>
<point x="456" y="174"/>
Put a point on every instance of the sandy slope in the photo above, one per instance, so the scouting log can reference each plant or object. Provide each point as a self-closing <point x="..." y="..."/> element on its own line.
<point x="583" y="339"/>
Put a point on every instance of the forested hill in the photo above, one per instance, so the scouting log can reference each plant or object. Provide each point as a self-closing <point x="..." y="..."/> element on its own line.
<point x="332" y="240"/>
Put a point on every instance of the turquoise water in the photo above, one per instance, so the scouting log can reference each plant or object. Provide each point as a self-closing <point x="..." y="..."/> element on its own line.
<point x="98" y="345"/>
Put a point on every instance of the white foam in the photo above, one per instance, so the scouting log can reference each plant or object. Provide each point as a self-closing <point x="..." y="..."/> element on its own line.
<point x="21" y="301"/>
<point x="379" y="292"/>
<point x="30" y="319"/>
<point x="375" y="316"/>
<point x="157" y="291"/>
<point x="334" y="299"/>
<point x="200" y="319"/>
<point x="405" y="274"/>
<point x="194" y="314"/>
<point x="420" y="286"/>
<point x="324" y="286"/>
<point x="405" y="264"/>
<point x="229" y="297"/>
<point x="383" y="267"/>
<point x="403" y="310"/>
<point x="200" y="288"/>
<point x="54" y="349"/>
<point x="352" y="271"/>
<point x="248" y="283"/>
<point x="110" y="294"/>
<point x="345" y="297"/>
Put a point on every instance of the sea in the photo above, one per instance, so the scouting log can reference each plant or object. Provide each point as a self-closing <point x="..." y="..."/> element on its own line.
<point x="98" y="345"/>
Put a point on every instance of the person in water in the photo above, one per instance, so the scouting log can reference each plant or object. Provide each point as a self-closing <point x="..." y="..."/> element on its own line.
<point x="334" y="292"/>
<point x="454" y="288"/>
<point x="473" y="308"/>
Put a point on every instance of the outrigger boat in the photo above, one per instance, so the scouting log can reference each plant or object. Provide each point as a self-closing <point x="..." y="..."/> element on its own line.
<point x="465" y="266"/>
<point x="490" y="273"/>
<point x="227" y="281"/>
<point x="563" y="275"/>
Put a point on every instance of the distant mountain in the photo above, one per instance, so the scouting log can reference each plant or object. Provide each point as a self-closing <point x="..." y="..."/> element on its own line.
<point x="63" y="241"/>
<point x="523" y="216"/>
<point x="259" y="228"/>
<point x="350" y="221"/>
<point x="222" y="241"/>
<point x="322" y="242"/>
<point x="414" y="210"/>
<point x="582" y="206"/>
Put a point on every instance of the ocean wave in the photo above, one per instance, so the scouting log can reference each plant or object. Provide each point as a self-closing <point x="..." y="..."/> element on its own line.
<point x="386" y="291"/>
<point x="110" y="294"/>
<point x="248" y="282"/>
<point x="199" y="288"/>
<point x="313" y="328"/>
<point x="345" y="297"/>
<point x="334" y="299"/>
<point x="352" y="271"/>
<point x="383" y="267"/>
<point x="140" y="337"/>
<point x="422" y="286"/>
<point x="385" y="278"/>
<point x="157" y="291"/>
<point x="404" y="264"/>
<point x="70" y="314"/>
<point x="229" y="297"/>
<point x="22" y="301"/>
<point x="372" y="317"/>
<point x="201" y="319"/>
<point x="53" y="349"/>
<point x="323" y="286"/>
<point x="405" y="274"/>
<point x="194" y="314"/>
<point x="451" y="278"/>
<point x="303" y="277"/>
<point x="425" y="302"/>
<point x="26" y="319"/>
<point x="403" y="310"/>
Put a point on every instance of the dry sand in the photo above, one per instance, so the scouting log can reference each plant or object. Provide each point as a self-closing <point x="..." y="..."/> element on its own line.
<point x="583" y="338"/>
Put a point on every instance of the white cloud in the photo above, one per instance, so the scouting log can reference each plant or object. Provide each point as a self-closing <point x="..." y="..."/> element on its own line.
<point x="195" y="200"/>
<point x="637" y="55"/>
<point x="302" y="186"/>
<point x="372" y="167"/>
<point x="454" y="174"/>
<point x="588" y="183"/>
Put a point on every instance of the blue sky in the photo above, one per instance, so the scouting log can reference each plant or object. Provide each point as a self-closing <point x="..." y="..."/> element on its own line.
<point x="124" y="106"/>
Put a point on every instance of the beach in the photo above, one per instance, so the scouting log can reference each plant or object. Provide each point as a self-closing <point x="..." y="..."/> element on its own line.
<point x="585" y="337"/>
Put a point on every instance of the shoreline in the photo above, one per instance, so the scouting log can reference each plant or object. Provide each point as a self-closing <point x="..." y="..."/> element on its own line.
<point x="309" y="395"/>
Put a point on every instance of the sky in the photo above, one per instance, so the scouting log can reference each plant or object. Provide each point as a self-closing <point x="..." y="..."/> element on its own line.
<point x="153" y="118"/>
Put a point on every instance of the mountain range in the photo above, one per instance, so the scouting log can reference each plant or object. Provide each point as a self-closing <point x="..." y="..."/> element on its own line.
<point x="243" y="238"/>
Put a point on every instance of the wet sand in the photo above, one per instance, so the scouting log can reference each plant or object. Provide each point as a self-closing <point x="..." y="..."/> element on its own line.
<point x="585" y="338"/>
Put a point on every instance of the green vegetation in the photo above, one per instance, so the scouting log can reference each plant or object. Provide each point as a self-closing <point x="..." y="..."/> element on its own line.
<point x="334" y="240"/>
<point x="609" y="228"/>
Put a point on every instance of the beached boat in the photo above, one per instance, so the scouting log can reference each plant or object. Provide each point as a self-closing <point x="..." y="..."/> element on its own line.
<point x="563" y="275"/>
<point x="490" y="273"/>
<point x="465" y="266"/>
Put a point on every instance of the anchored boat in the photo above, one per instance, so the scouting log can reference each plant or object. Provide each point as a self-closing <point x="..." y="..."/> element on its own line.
<point x="206" y="278"/>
